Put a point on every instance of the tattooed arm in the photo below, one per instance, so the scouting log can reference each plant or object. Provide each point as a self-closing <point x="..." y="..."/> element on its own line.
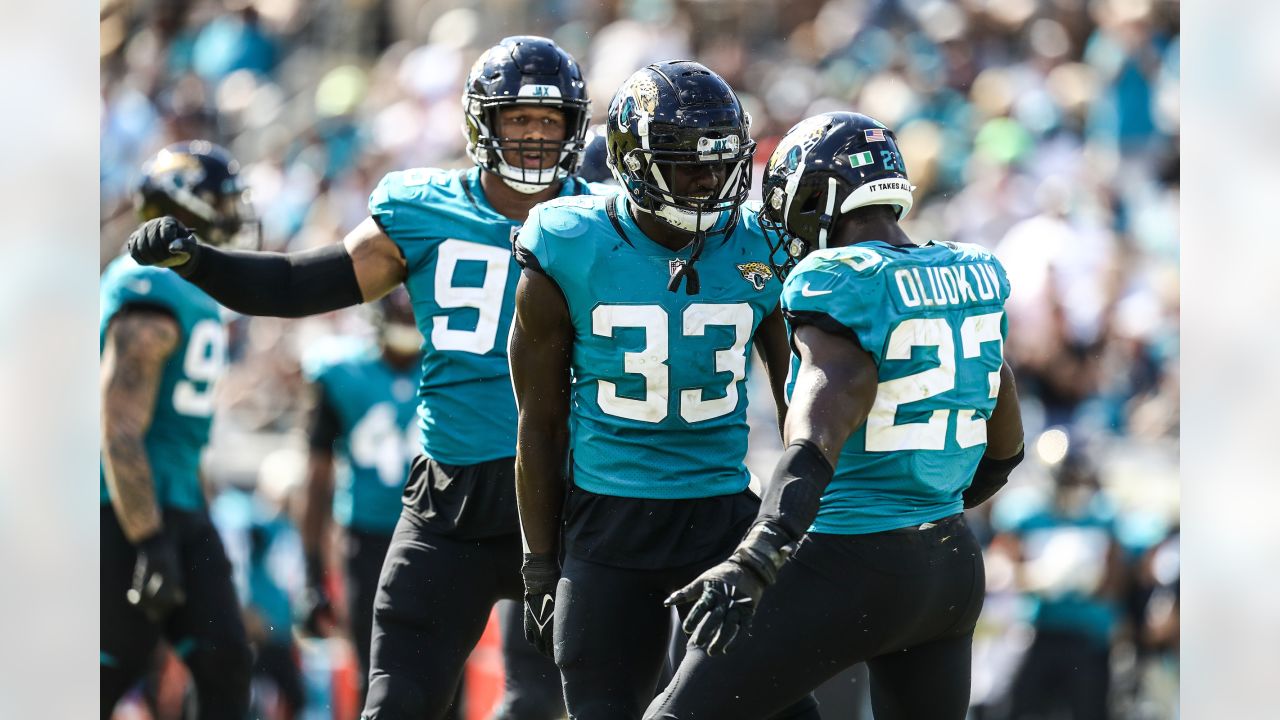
<point x="139" y="341"/>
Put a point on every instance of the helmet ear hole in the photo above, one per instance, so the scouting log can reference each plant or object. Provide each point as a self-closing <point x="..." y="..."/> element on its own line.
<point x="810" y="204"/>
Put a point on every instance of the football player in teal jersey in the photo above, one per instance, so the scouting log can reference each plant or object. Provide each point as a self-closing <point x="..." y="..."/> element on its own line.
<point x="163" y="346"/>
<point x="635" y="318"/>
<point x="902" y="414"/>
<point x="363" y="415"/>
<point x="445" y="235"/>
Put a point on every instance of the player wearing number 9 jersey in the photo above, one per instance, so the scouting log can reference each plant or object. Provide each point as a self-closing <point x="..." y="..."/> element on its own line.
<point x="164" y="571"/>
<point x="446" y="236"/>
<point x="636" y="385"/>
<point x="902" y="413"/>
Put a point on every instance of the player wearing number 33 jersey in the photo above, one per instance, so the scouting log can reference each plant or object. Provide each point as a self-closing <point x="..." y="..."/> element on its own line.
<point x="902" y="413"/>
<point x="652" y="428"/>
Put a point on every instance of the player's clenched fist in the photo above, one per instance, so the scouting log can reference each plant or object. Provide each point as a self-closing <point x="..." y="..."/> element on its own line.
<point x="165" y="242"/>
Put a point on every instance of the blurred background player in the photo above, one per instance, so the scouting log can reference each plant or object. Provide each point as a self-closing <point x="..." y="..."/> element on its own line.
<point x="363" y="413"/>
<point x="446" y="235"/>
<point x="634" y="383"/>
<point x="902" y="414"/>
<point x="164" y="569"/>
<point x="1072" y="575"/>
<point x="262" y="542"/>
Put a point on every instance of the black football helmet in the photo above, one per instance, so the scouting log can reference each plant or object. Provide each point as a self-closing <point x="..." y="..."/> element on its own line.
<point x="525" y="69"/>
<point x="827" y="165"/>
<point x="679" y="113"/>
<point x="198" y="183"/>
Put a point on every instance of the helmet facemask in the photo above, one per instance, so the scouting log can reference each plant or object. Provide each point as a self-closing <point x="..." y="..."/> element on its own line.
<point x="488" y="150"/>
<point x="650" y="173"/>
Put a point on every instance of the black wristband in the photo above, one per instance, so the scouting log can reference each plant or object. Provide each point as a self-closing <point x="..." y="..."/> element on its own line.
<point x="262" y="283"/>
<point x="991" y="475"/>
<point x="540" y="572"/>
<point x="793" y="494"/>
<point x="764" y="550"/>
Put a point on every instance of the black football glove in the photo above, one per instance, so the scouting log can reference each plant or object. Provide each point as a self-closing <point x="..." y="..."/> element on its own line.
<point x="316" y="611"/>
<point x="729" y="593"/>
<point x="541" y="572"/>
<point x="165" y="242"/>
<point x="157" y="579"/>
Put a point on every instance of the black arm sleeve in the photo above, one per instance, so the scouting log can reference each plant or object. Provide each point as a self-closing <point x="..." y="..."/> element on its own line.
<point x="323" y="425"/>
<point x="789" y="506"/>
<point x="293" y="285"/>
<point x="990" y="476"/>
<point x="792" y="497"/>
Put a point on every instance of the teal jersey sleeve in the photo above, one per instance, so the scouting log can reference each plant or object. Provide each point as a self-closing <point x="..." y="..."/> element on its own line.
<point x="807" y="296"/>
<point x="415" y="206"/>
<point x="932" y="318"/>
<point x="184" y="397"/>
<point x="554" y="236"/>
<point x="133" y="285"/>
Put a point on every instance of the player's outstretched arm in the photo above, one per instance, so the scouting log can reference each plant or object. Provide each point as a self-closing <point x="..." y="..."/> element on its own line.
<point x="540" y="353"/>
<point x="775" y="353"/>
<point x="139" y="341"/>
<point x="365" y="266"/>
<point x="835" y="389"/>
<point x="323" y="429"/>
<point x="1004" y="444"/>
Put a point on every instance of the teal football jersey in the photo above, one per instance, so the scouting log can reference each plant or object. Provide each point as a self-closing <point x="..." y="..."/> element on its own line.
<point x="659" y="405"/>
<point x="184" y="402"/>
<point x="376" y="405"/>
<point x="933" y="319"/>
<point x="461" y="279"/>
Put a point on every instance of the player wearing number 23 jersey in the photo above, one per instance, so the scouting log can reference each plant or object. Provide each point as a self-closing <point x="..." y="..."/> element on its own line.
<point x="902" y="413"/>
<point x="932" y="318"/>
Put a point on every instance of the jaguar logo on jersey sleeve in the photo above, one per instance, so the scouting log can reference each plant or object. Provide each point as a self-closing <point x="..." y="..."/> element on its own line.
<point x="756" y="273"/>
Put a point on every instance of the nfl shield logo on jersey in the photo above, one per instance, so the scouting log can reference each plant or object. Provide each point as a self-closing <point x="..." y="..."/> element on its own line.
<point x="674" y="265"/>
<point x="756" y="273"/>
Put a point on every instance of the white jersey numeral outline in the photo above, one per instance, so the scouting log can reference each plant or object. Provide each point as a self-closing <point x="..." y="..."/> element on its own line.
<point x="883" y="435"/>
<point x="203" y="363"/>
<point x="651" y="361"/>
<point x="487" y="298"/>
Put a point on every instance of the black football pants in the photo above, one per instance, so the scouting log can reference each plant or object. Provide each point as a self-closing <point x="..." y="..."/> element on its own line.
<point x="433" y="602"/>
<point x="365" y="552"/>
<point x="206" y="632"/>
<point x="611" y="638"/>
<point x="904" y="601"/>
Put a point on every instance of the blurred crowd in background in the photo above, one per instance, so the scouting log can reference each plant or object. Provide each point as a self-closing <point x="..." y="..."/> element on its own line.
<point x="1046" y="130"/>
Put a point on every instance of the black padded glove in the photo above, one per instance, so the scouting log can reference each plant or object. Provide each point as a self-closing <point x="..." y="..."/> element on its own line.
<point x="157" y="578"/>
<point x="541" y="573"/>
<point x="165" y="242"/>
